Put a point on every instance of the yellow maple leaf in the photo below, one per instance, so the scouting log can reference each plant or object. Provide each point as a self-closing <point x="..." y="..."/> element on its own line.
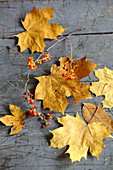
<point x="95" y="113"/>
<point x="54" y="88"/>
<point x="16" y="120"/>
<point x="82" y="67"/>
<point x="80" y="137"/>
<point x="37" y="28"/>
<point x="105" y="76"/>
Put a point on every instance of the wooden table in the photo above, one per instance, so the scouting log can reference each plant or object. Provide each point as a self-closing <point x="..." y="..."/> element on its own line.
<point x="28" y="150"/>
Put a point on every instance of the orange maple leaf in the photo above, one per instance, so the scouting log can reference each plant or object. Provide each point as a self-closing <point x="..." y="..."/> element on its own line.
<point x="16" y="120"/>
<point x="37" y="28"/>
<point x="54" y="88"/>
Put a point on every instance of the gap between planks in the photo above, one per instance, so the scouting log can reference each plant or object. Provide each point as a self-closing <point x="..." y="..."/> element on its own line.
<point x="78" y="34"/>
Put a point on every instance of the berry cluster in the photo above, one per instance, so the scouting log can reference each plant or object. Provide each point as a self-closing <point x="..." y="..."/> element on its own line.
<point x="32" y="109"/>
<point x="45" y="122"/>
<point x="31" y="101"/>
<point x="45" y="58"/>
<point x="31" y="63"/>
<point x="69" y="67"/>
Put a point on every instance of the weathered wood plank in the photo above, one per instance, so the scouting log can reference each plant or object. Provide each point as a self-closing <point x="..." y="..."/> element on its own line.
<point x="96" y="16"/>
<point x="29" y="149"/>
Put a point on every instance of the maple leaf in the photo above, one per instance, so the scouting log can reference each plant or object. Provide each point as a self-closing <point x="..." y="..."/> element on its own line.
<point x="79" y="136"/>
<point x="82" y="67"/>
<point x="37" y="28"/>
<point x="105" y="76"/>
<point x="54" y="88"/>
<point x="95" y="113"/>
<point x="16" y="120"/>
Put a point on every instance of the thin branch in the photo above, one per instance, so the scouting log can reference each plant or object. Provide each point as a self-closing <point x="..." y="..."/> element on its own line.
<point x="70" y="46"/>
<point x="59" y="40"/>
<point x="18" y="53"/>
<point x="64" y="38"/>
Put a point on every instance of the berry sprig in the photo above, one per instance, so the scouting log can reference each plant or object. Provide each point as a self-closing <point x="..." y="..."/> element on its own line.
<point x="46" y="57"/>
<point x="32" y="109"/>
<point x="69" y="67"/>
<point x="31" y="63"/>
<point x="45" y="119"/>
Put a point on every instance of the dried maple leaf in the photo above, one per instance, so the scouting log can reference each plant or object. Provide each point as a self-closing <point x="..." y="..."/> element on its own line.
<point x="95" y="113"/>
<point x="54" y="88"/>
<point x="80" y="137"/>
<point x="37" y="28"/>
<point x="105" y="76"/>
<point x="82" y="67"/>
<point x="16" y="120"/>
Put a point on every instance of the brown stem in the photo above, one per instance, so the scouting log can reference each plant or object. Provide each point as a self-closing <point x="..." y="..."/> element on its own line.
<point x="101" y="94"/>
<point x="64" y="38"/>
<point x="98" y="103"/>
<point x="52" y="47"/>
<point x="70" y="46"/>
<point x="42" y="71"/>
<point x="18" y="53"/>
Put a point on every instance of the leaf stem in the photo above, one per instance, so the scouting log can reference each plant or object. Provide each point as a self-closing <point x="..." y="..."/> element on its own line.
<point x="98" y="104"/>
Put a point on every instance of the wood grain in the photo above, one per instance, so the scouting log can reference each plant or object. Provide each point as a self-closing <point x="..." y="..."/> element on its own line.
<point x="29" y="149"/>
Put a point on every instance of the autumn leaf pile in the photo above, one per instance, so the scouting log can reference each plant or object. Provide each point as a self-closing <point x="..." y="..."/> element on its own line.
<point x="62" y="82"/>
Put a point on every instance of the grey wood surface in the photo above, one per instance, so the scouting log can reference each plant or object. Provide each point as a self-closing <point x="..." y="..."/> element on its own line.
<point x="29" y="148"/>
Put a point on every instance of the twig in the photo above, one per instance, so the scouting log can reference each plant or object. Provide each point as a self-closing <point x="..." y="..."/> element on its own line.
<point x="59" y="40"/>
<point x="64" y="38"/>
<point x="70" y="47"/>
<point x="18" y="53"/>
